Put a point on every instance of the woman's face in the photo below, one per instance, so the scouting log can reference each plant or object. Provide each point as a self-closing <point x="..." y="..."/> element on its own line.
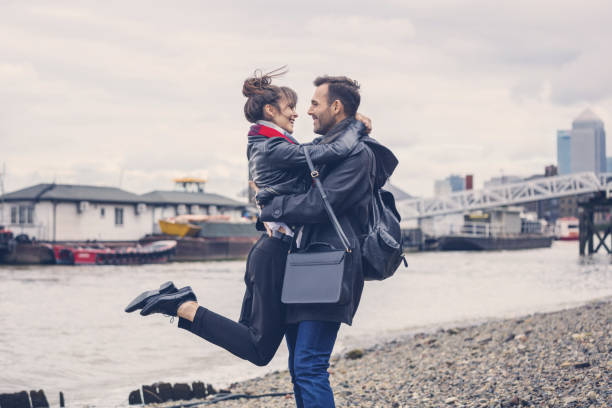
<point x="284" y="116"/>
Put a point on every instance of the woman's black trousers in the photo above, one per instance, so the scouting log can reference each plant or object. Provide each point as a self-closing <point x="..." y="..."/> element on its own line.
<point x="261" y="327"/>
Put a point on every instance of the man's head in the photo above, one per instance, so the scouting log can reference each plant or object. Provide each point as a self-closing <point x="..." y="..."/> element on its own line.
<point x="335" y="99"/>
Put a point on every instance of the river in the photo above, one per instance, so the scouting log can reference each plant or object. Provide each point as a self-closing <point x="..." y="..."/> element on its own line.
<point x="64" y="329"/>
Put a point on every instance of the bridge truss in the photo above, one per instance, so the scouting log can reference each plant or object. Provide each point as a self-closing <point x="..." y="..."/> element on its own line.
<point x="507" y="194"/>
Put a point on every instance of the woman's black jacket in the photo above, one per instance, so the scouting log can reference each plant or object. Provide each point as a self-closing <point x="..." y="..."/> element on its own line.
<point x="277" y="163"/>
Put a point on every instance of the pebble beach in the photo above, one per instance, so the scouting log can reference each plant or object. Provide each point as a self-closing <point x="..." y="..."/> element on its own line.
<point x="558" y="359"/>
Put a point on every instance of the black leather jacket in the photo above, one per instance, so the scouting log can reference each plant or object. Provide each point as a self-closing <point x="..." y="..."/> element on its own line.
<point x="277" y="163"/>
<point x="348" y="184"/>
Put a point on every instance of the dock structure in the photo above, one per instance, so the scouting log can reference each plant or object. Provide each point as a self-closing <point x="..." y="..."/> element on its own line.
<point x="507" y="194"/>
<point x="595" y="228"/>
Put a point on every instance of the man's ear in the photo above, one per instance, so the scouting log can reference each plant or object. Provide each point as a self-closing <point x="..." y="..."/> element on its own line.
<point x="337" y="107"/>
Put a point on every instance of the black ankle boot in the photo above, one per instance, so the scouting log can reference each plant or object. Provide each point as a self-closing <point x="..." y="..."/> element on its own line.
<point x="168" y="303"/>
<point x="142" y="299"/>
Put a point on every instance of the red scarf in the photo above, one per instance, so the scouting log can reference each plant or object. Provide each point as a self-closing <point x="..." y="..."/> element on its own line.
<point x="262" y="130"/>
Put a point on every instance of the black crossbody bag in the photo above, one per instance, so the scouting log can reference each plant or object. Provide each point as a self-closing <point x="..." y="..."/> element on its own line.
<point x="315" y="275"/>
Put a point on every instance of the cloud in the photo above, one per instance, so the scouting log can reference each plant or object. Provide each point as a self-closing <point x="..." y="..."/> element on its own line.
<point x="586" y="79"/>
<point x="151" y="90"/>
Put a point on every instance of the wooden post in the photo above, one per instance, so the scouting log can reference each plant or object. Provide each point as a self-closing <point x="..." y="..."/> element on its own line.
<point x="591" y="222"/>
<point x="582" y="231"/>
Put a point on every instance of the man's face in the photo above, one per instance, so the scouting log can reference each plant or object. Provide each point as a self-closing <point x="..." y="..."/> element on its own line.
<point x="320" y="110"/>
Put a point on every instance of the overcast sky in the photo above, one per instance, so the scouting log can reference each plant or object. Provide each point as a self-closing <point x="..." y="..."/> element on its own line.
<point x="135" y="93"/>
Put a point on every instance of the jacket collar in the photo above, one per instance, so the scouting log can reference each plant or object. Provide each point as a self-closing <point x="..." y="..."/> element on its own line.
<point x="269" y="130"/>
<point x="336" y="131"/>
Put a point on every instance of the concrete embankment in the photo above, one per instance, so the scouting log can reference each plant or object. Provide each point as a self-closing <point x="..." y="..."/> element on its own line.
<point x="558" y="359"/>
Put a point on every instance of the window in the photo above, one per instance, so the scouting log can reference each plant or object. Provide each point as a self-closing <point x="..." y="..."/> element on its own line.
<point x="22" y="214"/>
<point x="102" y="214"/>
<point x="118" y="216"/>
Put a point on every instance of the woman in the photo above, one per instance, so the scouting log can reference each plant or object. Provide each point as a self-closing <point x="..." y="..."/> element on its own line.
<point x="277" y="166"/>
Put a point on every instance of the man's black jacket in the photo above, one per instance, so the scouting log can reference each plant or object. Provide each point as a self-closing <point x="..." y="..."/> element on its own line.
<point x="348" y="184"/>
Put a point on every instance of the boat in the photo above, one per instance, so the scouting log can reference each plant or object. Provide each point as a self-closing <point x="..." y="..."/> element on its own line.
<point x="484" y="243"/>
<point x="179" y="226"/>
<point x="496" y="229"/>
<point x="567" y="229"/>
<point x="190" y="225"/>
<point x="207" y="237"/>
<point x="6" y="240"/>
<point x="98" y="254"/>
<point x="21" y="250"/>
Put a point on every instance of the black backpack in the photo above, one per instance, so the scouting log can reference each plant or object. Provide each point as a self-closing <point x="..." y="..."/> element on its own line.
<point x="381" y="249"/>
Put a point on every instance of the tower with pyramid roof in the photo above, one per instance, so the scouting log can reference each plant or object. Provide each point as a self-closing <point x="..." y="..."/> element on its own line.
<point x="587" y="143"/>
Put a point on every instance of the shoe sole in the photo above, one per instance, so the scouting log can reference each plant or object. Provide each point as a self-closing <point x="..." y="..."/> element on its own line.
<point x="141" y="299"/>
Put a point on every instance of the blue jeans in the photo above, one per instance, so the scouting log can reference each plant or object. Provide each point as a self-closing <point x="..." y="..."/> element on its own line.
<point x="310" y="345"/>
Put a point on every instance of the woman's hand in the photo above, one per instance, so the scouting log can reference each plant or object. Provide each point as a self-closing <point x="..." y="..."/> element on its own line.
<point x="365" y="120"/>
<point x="253" y="186"/>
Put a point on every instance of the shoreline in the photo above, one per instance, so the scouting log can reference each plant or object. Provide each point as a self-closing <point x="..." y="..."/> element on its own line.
<point x="552" y="359"/>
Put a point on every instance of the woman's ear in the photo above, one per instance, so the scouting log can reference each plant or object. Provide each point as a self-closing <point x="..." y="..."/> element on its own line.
<point x="269" y="111"/>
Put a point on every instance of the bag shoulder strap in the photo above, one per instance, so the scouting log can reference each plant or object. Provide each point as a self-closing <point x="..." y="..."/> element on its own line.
<point x="330" y="211"/>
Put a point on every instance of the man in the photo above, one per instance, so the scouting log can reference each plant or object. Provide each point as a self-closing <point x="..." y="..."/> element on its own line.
<point x="312" y="329"/>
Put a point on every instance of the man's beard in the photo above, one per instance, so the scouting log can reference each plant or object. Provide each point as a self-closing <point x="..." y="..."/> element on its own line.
<point x="324" y="126"/>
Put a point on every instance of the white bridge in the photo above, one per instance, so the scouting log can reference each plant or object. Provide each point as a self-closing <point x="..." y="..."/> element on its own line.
<point x="506" y="194"/>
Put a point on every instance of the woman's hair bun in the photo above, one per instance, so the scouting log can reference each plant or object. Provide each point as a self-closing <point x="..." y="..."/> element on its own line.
<point x="260" y="81"/>
<point x="255" y="85"/>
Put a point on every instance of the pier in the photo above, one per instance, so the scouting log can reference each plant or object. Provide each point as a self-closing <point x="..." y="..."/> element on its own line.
<point x="595" y="225"/>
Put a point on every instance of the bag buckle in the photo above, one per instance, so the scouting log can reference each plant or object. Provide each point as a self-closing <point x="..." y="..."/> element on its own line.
<point x="314" y="174"/>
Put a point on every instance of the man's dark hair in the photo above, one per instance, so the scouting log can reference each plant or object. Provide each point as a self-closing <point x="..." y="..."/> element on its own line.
<point x="344" y="89"/>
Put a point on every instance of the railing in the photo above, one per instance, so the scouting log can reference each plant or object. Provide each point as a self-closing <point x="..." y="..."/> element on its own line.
<point x="477" y="229"/>
<point x="507" y="194"/>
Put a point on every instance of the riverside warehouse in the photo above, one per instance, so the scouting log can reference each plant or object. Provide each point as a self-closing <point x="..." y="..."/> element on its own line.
<point x="68" y="212"/>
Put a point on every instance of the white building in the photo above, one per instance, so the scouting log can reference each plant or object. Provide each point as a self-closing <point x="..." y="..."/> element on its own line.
<point x="61" y="212"/>
<point x="501" y="180"/>
<point x="588" y="144"/>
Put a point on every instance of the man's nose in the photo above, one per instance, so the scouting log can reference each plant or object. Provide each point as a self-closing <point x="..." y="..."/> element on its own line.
<point x="310" y="111"/>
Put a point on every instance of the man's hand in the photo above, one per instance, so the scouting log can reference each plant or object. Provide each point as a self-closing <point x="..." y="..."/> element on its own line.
<point x="365" y="120"/>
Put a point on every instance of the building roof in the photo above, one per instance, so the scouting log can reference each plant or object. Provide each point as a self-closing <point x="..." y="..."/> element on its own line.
<point x="71" y="192"/>
<point x="183" y="197"/>
<point x="587" y="116"/>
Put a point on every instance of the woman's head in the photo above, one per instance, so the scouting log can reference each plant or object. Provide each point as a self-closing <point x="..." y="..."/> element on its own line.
<point x="269" y="102"/>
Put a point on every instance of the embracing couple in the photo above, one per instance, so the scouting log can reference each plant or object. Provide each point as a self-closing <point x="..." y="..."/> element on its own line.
<point x="293" y="214"/>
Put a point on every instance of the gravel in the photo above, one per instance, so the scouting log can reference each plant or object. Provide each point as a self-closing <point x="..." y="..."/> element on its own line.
<point x="559" y="359"/>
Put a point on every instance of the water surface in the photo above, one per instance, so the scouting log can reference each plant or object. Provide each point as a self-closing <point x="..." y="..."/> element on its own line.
<point x="63" y="327"/>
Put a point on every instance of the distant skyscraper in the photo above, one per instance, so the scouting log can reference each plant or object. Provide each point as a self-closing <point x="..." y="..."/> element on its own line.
<point x="563" y="151"/>
<point x="609" y="164"/>
<point x="449" y="185"/>
<point x="469" y="182"/>
<point x="588" y="144"/>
